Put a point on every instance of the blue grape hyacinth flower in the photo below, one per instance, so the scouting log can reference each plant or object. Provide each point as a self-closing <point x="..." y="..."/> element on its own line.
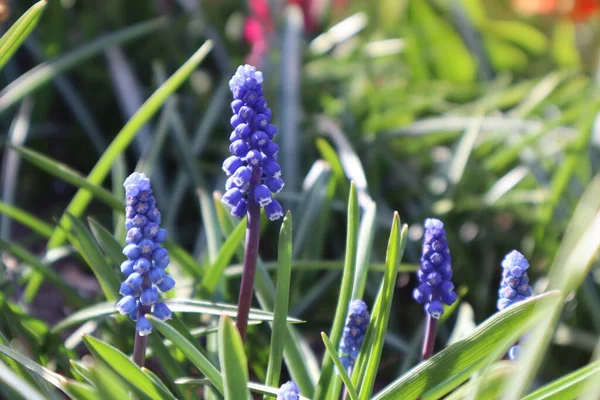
<point x="514" y="287"/>
<point x="435" y="273"/>
<point x="288" y="391"/>
<point x="146" y="258"/>
<point x="253" y="169"/>
<point x="354" y="333"/>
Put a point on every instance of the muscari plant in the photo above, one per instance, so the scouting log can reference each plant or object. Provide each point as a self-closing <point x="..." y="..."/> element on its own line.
<point x="358" y="351"/>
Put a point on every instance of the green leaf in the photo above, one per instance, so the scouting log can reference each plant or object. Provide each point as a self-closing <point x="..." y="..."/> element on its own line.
<point x="37" y="225"/>
<point x="374" y="338"/>
<point x="182" y="258"/>
<point x="88" y="249"/>
<point x="190" y="351"/>
<point x="16" y="35"/>
<point x="366" y="235"/>
<point x="498" y="332"/>
<point x="487" y="386"/>
<point x="126" y="368"/>
<point x="109" y="385"/>
<point x="46" y="72"/>
<point x="282" y="298"/>
<point x="81" y="200"/>
<point x="18" y="384"/>
<point x="224" y="256"/>
<point x="233" y="361"/>
<point x="69" y="175"/>
<point x="519" y="33"/>
<point x="564" y="44"/>
<point x="345" y="292"/>
<point x="567" y="387"/>
<point x="107" y="242"/>
<point x="332" y="352"/>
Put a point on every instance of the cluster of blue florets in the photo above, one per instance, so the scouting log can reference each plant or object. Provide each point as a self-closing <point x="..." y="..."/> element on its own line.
<point x="288" y="391"/>
<point x="146" y="258"/>
<point x="253" y="169"/>
<point x="514" y="286"/>
<point x="354" y="333"/>
<point x="436" y="270"/>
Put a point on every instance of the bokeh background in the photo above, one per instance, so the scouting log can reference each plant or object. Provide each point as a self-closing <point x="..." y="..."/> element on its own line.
<point x="482" y="113"/>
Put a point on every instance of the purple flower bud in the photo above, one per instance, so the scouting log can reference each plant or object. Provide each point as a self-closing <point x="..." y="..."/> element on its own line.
<point x="435" y="309"/>
<point x="231" y="164"/>
<point x="127" y="267"/>
<point x="262" y="195"/>
<point x="270" y="149"/>
<point x="150" y="230"/>
<point x="126" y="305"/>
<point x="143" y="326"/>
<point x="355" y="330"/>
<point x="272" y="169"/>
<point x="134" y="280"/>
<point x="141" y="266"/>
<point x="259" y="139"/>
<point x="236" y="105"/>
<point x="134" y="235"/>
<point x="232" y="197"/>
<point x="240" y="209"/>
<point x="246" y="113"/>
<point x="274" y="184"/>
<point x="167" y="284"/>
<point x="514" y="286"/>
<point x="149" y="296"/>
<point x="160" y="236"/>
<point x="274" y="210"/>
<point x="242" y="176"/>
<point x="235" y="120"/>
<point x="238" y="148"/>
<point x="159" y="254"/>
<point x="254" y="158"/>
<point x="157" y="275"/>
<point x="288" y="391"/>
<point x="243" y="131"/>
<point x="132" y="252"/>
<point x="162" y="312"/>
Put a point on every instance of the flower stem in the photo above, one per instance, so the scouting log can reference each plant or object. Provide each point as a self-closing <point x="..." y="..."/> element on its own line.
<point x="250" y="257"/>
<point x="429" y="340"/>
<point x="141" y="342"/>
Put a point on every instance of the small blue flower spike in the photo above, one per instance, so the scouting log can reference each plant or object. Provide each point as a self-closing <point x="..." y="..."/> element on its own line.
<point x="253" y="169"/>
<point x="146" y="258"/>
<point x="435" y="273"/>
<point x="288" y="391"/>
<point x="514" y="287"/>
<point x="354" y="333"/>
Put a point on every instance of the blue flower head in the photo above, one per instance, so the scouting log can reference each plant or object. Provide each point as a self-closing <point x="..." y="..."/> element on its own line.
<point x="253" y="169"/>
<point x="435" y="273"/>
<point x="514" y="286"/>
<point x="146" y="258"/>
<point x="288" y="391"/>
<point x="354" y="333"/>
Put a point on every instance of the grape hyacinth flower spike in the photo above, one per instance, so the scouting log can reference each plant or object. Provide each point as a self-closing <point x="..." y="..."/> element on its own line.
<point x="253" y="170"/>
<point x="354" y="333"/>
<point x="435" y="285"/>
<point x="514" y="287"/>
<point x="288" y="391"/>
<point x="145" y="264"/>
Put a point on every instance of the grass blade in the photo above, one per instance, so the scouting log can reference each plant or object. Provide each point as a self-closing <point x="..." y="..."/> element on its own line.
<point x="233" y="361"/>
<point x="278" y="329"/>
<point x="45" y="72"/>
<point x="126" y="368"/>
<point x="345" y="292"/>
<point x="373" y="345"/>
<point x="190" y="351"/>
<point x="37" y="225"/>
<point x="567" y="387"/>
<point x="81" y="200"/>
<point x="18" y="384"/>
<point x="332" y="352"/>
<point x="16" y="35"/>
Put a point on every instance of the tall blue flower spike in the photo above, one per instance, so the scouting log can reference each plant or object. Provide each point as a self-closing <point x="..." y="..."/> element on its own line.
<point x="354" y="333"/>
<point x="288" y="391"/>
<point x="514" y="287"/>
<point x="252" y="168"/>
<point x="146" y="258"/>
<point x="435" y="273"/>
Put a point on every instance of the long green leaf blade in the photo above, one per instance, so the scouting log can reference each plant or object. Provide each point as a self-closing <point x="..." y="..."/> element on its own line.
<point x="233" y="361"/>
<point x="81" y="200"/>
<point x="16" y="35"/>
<point x="332" y="352"/>
<point x="282" y="293"/>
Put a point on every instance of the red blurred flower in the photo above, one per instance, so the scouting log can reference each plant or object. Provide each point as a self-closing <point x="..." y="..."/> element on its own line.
<point x="259" y="25"/>
<point x="578" y="10"/>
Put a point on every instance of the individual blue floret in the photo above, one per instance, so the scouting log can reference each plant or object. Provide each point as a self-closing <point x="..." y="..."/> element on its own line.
<point x="514" y="286"/>
<point x="288" y="391"/>
<point x="146" y="258"/>
<point x="354" y="333"/>
<point x="435" y="273"/>
<point x="253" y="169"/>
